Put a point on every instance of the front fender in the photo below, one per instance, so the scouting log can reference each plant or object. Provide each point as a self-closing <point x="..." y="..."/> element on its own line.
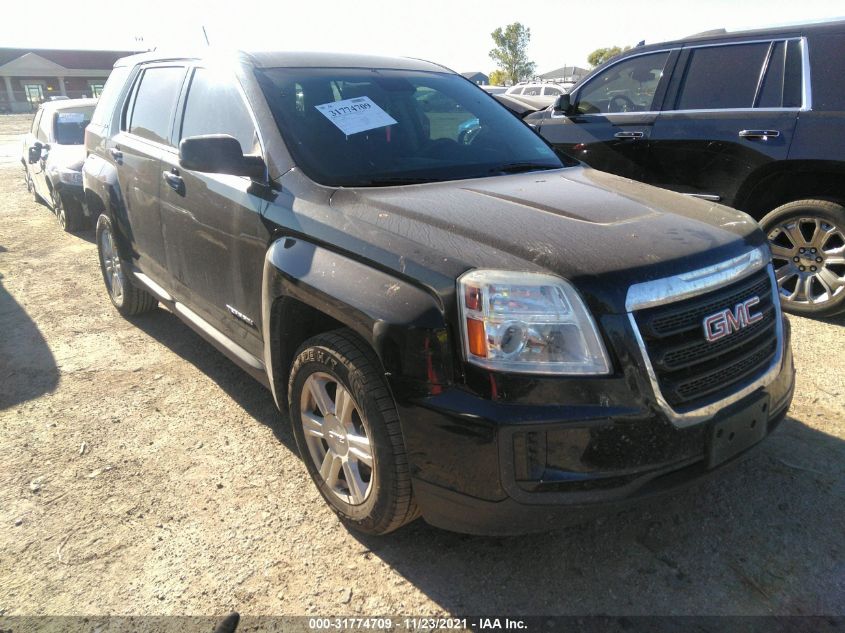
<point x="403" y="323"/>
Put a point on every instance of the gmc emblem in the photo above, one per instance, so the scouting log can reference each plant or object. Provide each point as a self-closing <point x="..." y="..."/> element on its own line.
<point x="726" y="322"/>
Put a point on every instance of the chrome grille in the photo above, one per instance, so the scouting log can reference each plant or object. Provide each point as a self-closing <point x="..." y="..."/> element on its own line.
<point x="692" y="372"/>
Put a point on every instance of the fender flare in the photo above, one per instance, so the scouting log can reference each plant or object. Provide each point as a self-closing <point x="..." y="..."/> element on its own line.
<point x="105" y="186"/>
<point x="403" y="323"/>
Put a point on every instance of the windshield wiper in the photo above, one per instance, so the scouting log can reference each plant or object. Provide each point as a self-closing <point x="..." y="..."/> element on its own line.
<point x="516" y="168"/>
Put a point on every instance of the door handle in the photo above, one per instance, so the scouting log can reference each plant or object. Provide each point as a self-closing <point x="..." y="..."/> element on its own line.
<point x="759" y="135"/>
<point x="629" y="135"/>
<point x="116" y="154"/>
<point x="174" y="180"/>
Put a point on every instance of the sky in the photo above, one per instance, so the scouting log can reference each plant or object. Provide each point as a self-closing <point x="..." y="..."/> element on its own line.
<point x="455" y="33"/>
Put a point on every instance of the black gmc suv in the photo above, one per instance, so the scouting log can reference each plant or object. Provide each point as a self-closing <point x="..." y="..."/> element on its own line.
<point x="754" y="120"/>
<point x="480" y="332"/>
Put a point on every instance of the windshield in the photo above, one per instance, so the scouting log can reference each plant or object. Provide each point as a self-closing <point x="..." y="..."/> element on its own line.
<point x="371" y="127"/>
<point x="70" y="124"/>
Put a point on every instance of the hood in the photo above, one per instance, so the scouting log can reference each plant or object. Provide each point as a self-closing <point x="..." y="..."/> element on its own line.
<point x="66" y="156"/>
<point x="599" y="231"/>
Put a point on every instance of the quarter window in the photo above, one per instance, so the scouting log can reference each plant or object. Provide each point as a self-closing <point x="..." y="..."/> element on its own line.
<point x="722" y="77"/>
<point x="155" y="100"/>
<point x="628" y="86"/>
<point x="215" y="106"/>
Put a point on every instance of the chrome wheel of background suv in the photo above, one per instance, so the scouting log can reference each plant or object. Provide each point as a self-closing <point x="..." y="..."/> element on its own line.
<point x="807" y="239"/>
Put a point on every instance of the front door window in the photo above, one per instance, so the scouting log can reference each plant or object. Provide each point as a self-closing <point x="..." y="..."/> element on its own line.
<point x="628" y="86"/>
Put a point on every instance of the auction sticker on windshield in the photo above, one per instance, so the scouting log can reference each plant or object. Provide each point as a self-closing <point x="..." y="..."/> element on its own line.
<point x="356" y="115"/>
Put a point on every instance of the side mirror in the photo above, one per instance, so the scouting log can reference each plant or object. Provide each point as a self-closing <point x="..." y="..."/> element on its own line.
<point x="219" y="154"/>
<point x="563" y="105"/>
<point x="34" y="153"/>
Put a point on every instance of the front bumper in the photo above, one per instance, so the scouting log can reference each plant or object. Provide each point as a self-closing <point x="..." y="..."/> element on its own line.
<point x="485" y="467"/>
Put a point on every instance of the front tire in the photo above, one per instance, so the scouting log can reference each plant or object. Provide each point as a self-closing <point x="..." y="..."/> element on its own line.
<point x="347" y="430"/>
<point x="27" y="179"/>
<point x="68" y="213"/>
<point x="807" y="239"/>
<point x="125" y="296"/>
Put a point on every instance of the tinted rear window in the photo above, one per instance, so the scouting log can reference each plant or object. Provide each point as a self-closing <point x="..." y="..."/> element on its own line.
<point x="826" y="55"/>
<point x="722" y="77"/>
<point x="155" y="100"/>
<point x="70" y="123"/>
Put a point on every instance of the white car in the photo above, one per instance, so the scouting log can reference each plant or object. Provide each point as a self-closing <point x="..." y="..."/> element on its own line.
<point x="539" y="95"/>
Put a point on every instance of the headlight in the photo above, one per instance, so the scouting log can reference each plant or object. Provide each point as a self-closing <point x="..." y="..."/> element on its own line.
<point x="528" y="323"/>
<point x="68" y="176"/>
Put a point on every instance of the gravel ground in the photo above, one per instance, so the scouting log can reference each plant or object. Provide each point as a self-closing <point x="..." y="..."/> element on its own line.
<point x="143" y="473"/>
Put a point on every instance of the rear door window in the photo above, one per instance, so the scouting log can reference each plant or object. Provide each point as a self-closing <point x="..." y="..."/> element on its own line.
<point x="552" y="91"/>
<point x="781" y="87"/>
<point x="722" y="77"/>
<point x="155" y="100"/>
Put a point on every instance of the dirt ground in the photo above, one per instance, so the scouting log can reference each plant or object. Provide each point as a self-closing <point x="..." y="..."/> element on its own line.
<point x="143" y="473"/>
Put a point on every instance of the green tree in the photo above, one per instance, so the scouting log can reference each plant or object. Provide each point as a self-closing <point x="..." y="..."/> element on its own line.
<point x="510" y="54"/>
<point x="601" y="55"/>
<point x="497" y="78"/>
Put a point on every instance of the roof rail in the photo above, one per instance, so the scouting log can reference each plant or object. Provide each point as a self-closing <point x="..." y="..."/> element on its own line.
<point x="707" y="33"/>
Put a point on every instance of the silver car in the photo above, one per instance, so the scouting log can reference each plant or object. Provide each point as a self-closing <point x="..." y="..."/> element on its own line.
<point x="52" y="155"/>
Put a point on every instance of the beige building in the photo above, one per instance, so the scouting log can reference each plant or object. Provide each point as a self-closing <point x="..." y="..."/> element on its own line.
<point x="30" y="76"/>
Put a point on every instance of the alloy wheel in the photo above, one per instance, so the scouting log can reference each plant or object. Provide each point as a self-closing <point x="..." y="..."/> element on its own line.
<point x="111" y="266"/>
<point x="809" y="259"/>
<point x="337" y="437"/>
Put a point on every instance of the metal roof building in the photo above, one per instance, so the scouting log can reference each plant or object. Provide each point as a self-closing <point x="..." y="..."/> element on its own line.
<point x="30" y="76"/>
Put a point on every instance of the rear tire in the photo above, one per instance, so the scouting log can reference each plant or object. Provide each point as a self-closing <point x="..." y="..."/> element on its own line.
<point x="125" y="296"/>
<point x="347" y="429"/>
<point x="807" y="238"/>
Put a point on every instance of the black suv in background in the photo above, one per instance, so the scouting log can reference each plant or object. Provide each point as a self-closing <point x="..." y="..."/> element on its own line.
<point x="754" y="120"/>
<point x="438" y="315"/>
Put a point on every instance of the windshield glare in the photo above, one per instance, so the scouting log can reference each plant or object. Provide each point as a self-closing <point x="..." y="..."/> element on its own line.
<point x="374" y="127"/>
<point x="70" y="124"/>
